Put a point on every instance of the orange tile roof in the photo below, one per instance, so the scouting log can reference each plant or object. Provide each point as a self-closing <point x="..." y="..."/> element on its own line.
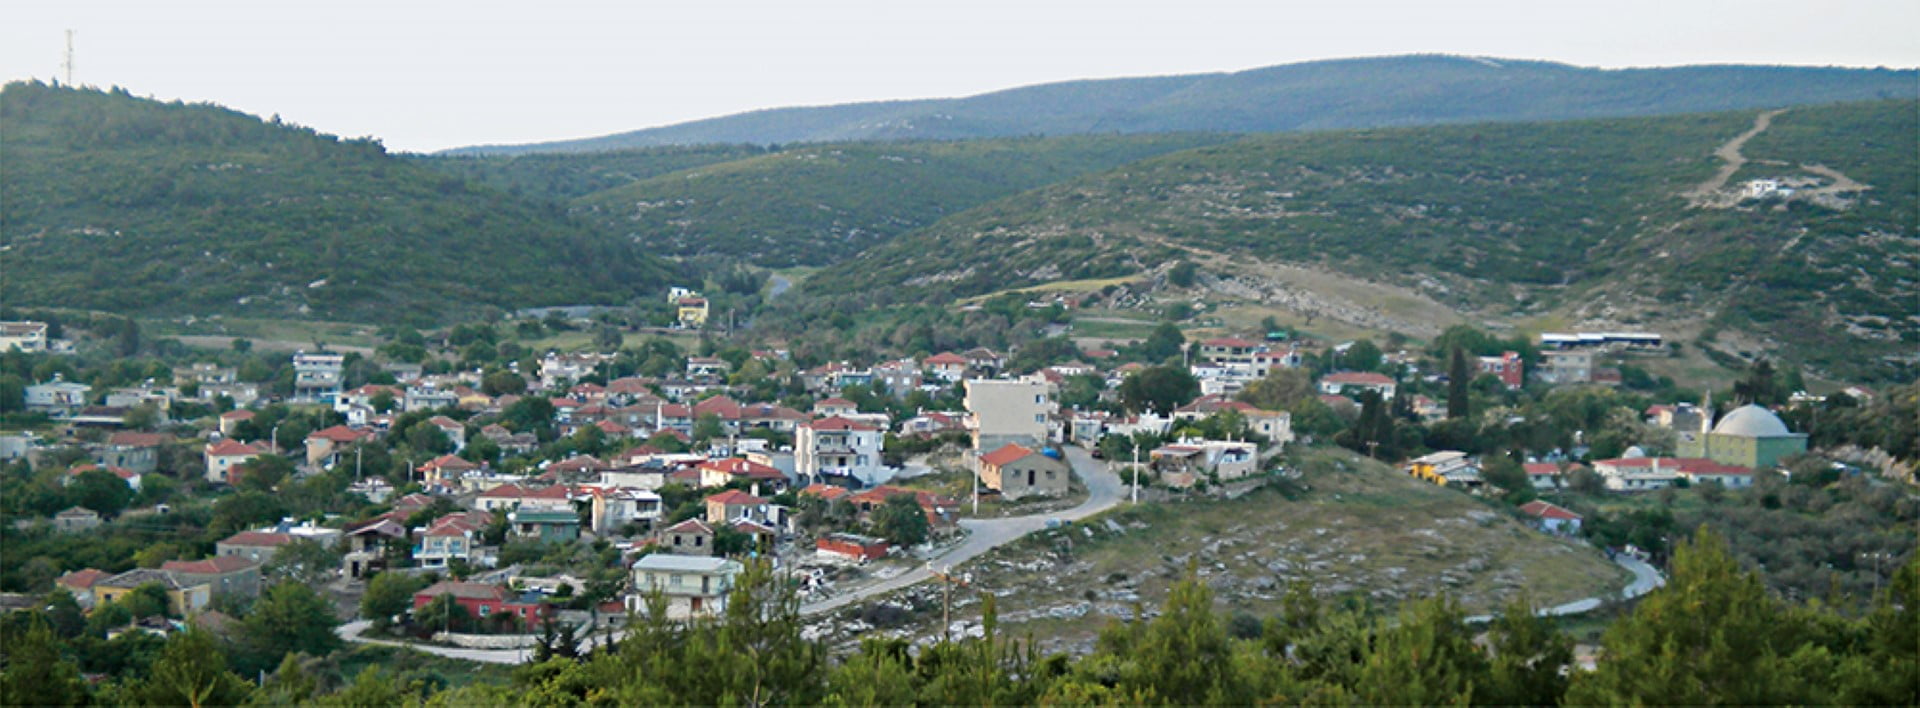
<point x="1008" y="453"/>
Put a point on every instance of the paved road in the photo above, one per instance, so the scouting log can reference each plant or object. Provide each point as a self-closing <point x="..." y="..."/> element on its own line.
<point x="351" y="632"/>
<point x="1645" y="579"/>
<point x="1104" y="490"/>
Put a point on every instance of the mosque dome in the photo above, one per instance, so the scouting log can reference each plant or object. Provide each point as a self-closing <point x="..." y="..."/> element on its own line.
<point x="1751" y="421"/>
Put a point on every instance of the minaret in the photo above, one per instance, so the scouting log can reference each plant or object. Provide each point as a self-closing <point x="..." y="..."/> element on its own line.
<point x="1706" y="426"/>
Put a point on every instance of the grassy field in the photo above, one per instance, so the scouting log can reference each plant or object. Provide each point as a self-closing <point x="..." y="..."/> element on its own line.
<point x="1350" y="526"/>
<point x="267" y="333"/>
<point x="410" y="665"/>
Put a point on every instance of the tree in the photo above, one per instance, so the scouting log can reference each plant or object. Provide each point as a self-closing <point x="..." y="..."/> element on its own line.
<point x="902" y="521"/>
<point x="1163" y="343"/>
<point x="708" y="427"/>
<point x="1459" y="377"/>
<point x="1280" y="390"/>
<point x="289" y="617"/>
<point x="1181" y="275"/>
<point x="383" y="401"/>
<point x="191" y="671"/>
<point x="265" y="473"/>
<point x="443" y="613"/>
<point x="1159" y="389"/>
<point x="1757" y="386"/>
<point x="35" y="675"/>
<point x="1711" y="635"/>
<point x="288" y="685"/>
<point x="1360" y="356"/>
<point x="501" y="382"/>
<point x="607" y="338"/>
<point x="101" y="491"/>
<point x="304" y="561"/>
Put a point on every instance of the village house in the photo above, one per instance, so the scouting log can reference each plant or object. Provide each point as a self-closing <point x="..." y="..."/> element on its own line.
<point x="1182" y="463"/>
<point x="850" y="547"/>
<point x="482" y="600"/>
<point x="257" y="546"/>
<point x="735" y="504"/>
<point x="226" y="575"/>
<point x="838" y="445"/>
<point x="182" y="598"/>
<point x="942" y="511"/>
<point x="1351" y="383"/>
<point x="1640" y="474"/>
<point x="543" y="525"/>
<point x="317" y="377"/>
<point x="613" y="508"/>
<point x="692" y="537"/>
<point x="1566" y="366"/>
<point x="693" y="586"/>
<point x="946" y="366"/>
<point x="57" y="397"/>
<point x="75" y="519"/>
<point x="1506" y="367"/>
<point x="131" y="477"/>
<point x="325" y="446"/>
<point x="80" y="584"/>
<point x="231" y="420"/>
<point x="1008" y="412"/>
<point x="226" y="456"/>
<point x="1018" y="472"/>
<point x="691" y="311"/>
<point x="446" y="469"/>
<point x="449" y="538"/>
<point x="27" y="336"/>
<point x="721" y="472"/>
<point x="1551" y="517"/>
<point x="138" y="452"/>
<point x="1547" y="476"/>
<point x="1446" y="467"/>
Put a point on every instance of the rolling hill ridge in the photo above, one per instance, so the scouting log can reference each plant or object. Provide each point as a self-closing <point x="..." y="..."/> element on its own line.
<point x="1319" y="95"/>
<point x="1586" y="220"/>
<point x="134" y="206"/>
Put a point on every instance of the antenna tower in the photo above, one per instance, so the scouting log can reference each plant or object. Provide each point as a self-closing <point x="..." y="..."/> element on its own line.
<point x="67" y="64"/>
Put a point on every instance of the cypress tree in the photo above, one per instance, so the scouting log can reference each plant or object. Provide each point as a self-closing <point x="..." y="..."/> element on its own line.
<point x="1457" y="379"/>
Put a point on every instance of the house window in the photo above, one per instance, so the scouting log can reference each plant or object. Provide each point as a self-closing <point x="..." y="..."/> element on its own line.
<point x="486" y="610"/>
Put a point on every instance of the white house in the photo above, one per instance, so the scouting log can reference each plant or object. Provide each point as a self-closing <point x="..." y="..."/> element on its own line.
<point x="839" y="445"/>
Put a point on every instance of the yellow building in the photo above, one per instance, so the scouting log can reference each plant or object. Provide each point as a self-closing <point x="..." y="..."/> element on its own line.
<point x="692" y="311"/>
<point x="1445" y="467"/>
<point x="182" y="599"/>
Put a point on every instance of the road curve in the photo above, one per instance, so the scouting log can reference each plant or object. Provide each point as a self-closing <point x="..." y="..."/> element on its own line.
<point x="1104" y="491"/>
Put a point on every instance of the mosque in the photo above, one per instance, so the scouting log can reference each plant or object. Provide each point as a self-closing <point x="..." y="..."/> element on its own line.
<point x="1750" y="436"/>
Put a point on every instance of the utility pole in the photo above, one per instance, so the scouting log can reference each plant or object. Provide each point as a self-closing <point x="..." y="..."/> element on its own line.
<point x="67" y="64"/>
<point x="947" y="581"/>
<point x="356" y="461"/>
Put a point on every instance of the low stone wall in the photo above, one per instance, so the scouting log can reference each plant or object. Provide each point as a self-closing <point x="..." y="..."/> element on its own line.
<point x="487" y="641"/>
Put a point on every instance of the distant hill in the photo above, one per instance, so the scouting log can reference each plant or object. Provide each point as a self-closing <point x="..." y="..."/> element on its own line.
<point x="1319" y="95"/>
<point x="820" y="204"/>
<point x="130" y="205"/>
<point x="560" y="177"/>
<point x="1585" y="218"/>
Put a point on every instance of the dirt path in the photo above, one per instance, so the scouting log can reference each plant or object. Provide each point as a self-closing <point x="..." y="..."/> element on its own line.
<point x="1708" y="193"/>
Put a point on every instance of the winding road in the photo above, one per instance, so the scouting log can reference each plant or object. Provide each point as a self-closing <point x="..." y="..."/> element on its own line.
<point x="1105" y="490"/>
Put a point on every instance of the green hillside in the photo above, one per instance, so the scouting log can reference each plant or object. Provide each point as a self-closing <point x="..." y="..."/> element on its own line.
<point x="130" y="205"/>
<point x="820" y="204"/>
<point x="563" y="176"/>
<point x="1509" y="219"/>
<point x="1318" y="95"/>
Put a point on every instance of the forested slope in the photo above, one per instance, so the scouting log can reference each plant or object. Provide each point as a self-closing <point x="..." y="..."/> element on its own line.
<point x="134" y="206"/>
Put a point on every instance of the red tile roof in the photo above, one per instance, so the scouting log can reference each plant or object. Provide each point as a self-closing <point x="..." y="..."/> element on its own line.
<point x="82" y="579"/>
<point x="237" y="415"/>
<point x="1364" y="378"/>
<point x="838" y="423"/>
<point x="233" y="448"/>
<point x="743" y="468"/>
<point x="449" y="462"/>
<point x="735" y="497"/>
<point x="1008" y="453"/>
<point x="1547" y="510"/>
<point x="946" y="358"/>
<point x="340" y="434"/>
<point x="137" y="439"/>
<point x="258" y="538"/>
<point x="824" y="491"/>
<point x="690" y="526"/>
<point x="217" y="565"/>
<point x="464" y="591"/>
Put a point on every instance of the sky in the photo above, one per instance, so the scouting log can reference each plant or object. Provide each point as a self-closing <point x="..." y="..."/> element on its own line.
<point x="424" y="76"/>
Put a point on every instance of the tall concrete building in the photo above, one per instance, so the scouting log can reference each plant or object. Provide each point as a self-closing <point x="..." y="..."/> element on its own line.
<point x="1008" y="412"/>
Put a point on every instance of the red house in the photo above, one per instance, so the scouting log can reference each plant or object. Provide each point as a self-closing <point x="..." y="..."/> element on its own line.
<point x="1506" y="367"/>
<point x="852" y="546"/>
<point x="482" y="600"/>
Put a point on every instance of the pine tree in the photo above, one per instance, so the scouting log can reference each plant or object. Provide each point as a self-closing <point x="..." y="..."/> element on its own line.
<point x="35" y="674"/>
<point x="1459" y="378"/>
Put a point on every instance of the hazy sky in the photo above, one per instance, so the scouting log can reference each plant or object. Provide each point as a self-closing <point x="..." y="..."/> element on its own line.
<point x="430" y="75"/>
